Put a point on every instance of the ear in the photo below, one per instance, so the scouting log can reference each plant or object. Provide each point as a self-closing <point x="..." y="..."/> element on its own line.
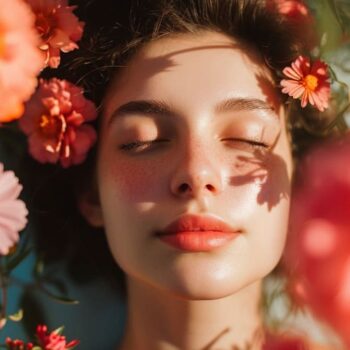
<point x="90" y="208"/>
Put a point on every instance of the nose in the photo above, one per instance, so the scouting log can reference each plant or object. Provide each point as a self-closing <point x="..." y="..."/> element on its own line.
<point x="197" y="173"/>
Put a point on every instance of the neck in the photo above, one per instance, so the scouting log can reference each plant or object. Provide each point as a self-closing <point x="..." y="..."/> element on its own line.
<point x="158" y="320"/>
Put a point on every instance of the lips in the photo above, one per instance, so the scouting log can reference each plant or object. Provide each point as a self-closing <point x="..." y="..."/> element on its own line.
<point x="198" y="233"/>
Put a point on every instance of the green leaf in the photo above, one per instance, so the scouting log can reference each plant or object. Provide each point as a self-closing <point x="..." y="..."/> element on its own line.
<point x="334" y="7"/>
<point x="60" y="299"/>
<point x="58" y="330"/>
<point x="37" y="348"/>
<point x="17" y="316"/>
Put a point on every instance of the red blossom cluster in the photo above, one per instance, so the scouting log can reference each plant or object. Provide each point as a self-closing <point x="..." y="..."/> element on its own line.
<point x="46" y="341"/>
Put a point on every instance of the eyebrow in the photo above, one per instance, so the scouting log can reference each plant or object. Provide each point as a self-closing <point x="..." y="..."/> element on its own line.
<point x="161" y="108"/>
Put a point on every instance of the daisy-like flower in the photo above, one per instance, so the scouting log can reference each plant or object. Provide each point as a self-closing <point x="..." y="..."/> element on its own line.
<point x="54" y="121"/>
<point x="13" y="211"/>
<point x="20" y="58"/>
<point x="53" y="340"/>
<point x="308" y="82"/>
<point x="58" y="27"/>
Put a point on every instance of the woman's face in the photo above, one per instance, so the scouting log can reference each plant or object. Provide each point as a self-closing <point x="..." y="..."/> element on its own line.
<point x="221" y="150"/>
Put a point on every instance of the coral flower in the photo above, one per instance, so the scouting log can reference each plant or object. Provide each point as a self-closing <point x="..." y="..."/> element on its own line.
<point x="318" y="249"/>
<point x="294" y="9"/>
<point x="20" y="58"/>
<point x="53" y="340"/>
<point x="13" y="211"/>
<point x="58" y="27"/>
<point x="54" y="121"/>
<point x="308" y="82"/>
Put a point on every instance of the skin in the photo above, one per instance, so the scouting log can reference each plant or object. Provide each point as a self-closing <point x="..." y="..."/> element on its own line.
<point x="235" y="164"/>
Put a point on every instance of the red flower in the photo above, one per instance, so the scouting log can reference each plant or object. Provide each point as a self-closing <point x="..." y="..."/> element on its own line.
<point x="318" y="248"/>
<point x="58" y="27"/>
<point x="54" y="121"/>
<point x="18" y="344"/>
<point x="308" y="82"/>
<point x="53" y="340"/>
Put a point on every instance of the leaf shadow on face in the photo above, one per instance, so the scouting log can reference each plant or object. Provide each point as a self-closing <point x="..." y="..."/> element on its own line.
<point x="270" y="172"/>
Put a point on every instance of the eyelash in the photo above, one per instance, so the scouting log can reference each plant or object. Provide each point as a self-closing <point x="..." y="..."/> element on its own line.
<point x="138" y="143"/>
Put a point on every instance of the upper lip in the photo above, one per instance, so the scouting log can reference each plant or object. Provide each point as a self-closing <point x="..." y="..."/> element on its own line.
<point x="191" y="222"/>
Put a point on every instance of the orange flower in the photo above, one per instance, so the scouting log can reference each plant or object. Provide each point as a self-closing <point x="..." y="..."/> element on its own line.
<point x="308" y="82"/>
<point x="20" y="58"/>
<point x="58" y="27"/>
<point x="54" y="121"/>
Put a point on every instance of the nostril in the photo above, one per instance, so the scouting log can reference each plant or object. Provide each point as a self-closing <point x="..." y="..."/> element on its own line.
<point x="183" y="188"/>
<point x="211" y="188"/>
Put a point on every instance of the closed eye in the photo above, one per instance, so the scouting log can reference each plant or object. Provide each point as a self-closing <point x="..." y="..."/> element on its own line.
<point x="139" y="145"/>
<point x="253" y="144"/>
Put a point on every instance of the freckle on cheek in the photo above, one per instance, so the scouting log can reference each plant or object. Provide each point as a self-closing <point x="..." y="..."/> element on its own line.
<point x="129" y="182"/>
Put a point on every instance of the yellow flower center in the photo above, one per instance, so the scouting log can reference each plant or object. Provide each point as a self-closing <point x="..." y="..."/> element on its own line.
<point x="311" y="82"/>
<point x="50" y="126"/>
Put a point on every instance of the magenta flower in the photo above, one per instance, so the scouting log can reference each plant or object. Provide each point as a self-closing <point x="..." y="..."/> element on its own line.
<point x="54" y="121"/>
<point x="20" y="58"/>
<point x="308" y="82"/>
<point x="318" y="247"/>
<point x="58" y="28"/>
<point x="13" y="211"/>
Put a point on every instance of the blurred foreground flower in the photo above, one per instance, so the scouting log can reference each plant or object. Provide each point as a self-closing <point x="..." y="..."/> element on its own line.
<point x="53" y="340"/>
<point x="13" y="211"/>
<point x="20" y="58"/>
<point x="58" y="28"/>
<point x="54" y="122"/>
<point x="318" y="250"/>
<point x="45" y="341"/>
<point x="308" y="82"/>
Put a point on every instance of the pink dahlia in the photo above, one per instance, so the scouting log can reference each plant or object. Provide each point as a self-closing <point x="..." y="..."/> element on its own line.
<point x="53" y="340"/>
<point x="54" y="121"/>
<point x="13" y="211"/>
<point x="58" y="28"/>
<point x="308" y="82"/>
<point x="318" y="248"/>
<point x="20" y="58"/>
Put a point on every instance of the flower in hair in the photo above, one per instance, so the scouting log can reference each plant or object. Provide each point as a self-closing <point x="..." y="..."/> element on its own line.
<point x="58" y="27"/>
<point x="294" y="9"/>
<point x="318" y="251"/>
<point x="309" y="82"/>
<point x="13" y="211"/>
<point x="54" y="121"/>
<point x="53" y="340"/>
<point x="20" y="59"/>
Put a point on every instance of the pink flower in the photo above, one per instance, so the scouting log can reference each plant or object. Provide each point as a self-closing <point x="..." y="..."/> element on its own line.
<point x="318" y="248"/>
<point x="54" y="121"/>
<point x="13" y="211"/>
<point x="20" y="58"/>
<point x="58" y="27"/>
<point x="53" y="340"/>
<point x="308" y="82"/>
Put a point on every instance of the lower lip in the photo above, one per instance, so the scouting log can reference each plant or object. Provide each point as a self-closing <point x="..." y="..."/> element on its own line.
<point x="198" y="241"/>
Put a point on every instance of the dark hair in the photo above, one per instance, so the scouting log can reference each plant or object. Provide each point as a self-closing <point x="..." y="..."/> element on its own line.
<point x="114" y="32"/>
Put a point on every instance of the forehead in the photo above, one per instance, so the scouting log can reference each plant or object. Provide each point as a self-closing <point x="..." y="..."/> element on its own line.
<point x="193" y="71"/>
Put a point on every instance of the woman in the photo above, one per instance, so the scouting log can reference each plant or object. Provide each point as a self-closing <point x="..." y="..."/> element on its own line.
<point x="193" y="169"/>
